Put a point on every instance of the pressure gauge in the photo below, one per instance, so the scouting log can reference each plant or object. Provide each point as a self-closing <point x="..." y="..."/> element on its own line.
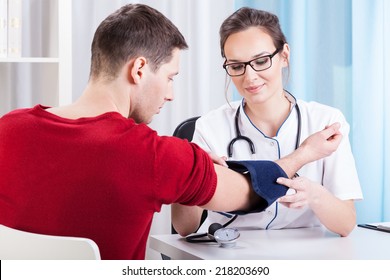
<point x="226" y="237"/>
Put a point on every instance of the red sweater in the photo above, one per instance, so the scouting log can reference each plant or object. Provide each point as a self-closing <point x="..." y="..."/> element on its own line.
<point x="102" y="177"/>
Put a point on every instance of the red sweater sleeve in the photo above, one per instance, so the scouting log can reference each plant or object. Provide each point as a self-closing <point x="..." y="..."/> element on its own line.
<point x="184" y="172"/>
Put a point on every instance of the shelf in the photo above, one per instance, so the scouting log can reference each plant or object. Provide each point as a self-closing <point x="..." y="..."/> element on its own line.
<point x="45" y="66"/>
<point x="29" y="59"/>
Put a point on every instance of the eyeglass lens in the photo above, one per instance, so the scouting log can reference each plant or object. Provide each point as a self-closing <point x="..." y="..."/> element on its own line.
<point x="258" y="64"/>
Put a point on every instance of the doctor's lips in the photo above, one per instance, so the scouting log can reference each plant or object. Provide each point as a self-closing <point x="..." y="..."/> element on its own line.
<point x="254" y="89"/>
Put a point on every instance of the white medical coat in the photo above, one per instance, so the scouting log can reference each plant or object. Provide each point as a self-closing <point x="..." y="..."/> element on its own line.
<point x="337" y="172"/>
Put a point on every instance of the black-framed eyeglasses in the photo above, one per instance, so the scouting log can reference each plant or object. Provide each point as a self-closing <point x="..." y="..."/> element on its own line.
<point x="258" y="64"/>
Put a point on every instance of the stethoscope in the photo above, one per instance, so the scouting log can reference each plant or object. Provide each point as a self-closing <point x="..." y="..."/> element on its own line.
<point x="239" y="136"/>
<point x="227" y="237"/>
<point x="221" y="234"/>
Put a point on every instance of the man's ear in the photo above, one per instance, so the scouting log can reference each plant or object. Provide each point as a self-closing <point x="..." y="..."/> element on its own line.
<point x="136" y="69"/>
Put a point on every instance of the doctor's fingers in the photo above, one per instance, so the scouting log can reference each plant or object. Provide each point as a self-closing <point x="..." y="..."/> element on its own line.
<point x="333" y="136"/>
<point x="296" y="200"/>
<point x="331" y="130"/>
<point x="217" y="159"/>
<point x="295" y="205"/>
<point x="297" y="184"/>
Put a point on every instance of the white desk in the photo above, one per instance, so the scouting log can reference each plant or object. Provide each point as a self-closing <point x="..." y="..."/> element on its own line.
<point x="300" y="244"/>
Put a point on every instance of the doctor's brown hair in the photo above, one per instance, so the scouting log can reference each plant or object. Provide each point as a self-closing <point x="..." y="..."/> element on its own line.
<point x="245" y="18"/>
<point x="131" y="31"/>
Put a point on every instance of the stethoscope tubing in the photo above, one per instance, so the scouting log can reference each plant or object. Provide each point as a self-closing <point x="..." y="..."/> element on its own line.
<point x="198" y="238"/>
<point x="239" y="136"/>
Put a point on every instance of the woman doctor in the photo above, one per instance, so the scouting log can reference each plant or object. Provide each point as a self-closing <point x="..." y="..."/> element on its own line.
<point x="256" y="54"/>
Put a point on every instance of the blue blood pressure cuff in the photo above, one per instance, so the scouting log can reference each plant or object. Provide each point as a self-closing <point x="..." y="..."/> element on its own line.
<point x="263" y="175"/>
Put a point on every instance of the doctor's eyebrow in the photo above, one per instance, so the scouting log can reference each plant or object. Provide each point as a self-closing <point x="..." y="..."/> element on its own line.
<point x="253" y="57"/>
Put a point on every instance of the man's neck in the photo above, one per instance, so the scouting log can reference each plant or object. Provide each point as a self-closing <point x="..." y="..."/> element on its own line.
<point x="97" y="99"/>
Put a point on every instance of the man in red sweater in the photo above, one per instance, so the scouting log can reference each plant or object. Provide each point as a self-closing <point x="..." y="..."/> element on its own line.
<point x="95" y="169"/>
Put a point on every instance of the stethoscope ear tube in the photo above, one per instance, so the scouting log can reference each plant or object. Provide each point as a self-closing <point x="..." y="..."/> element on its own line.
<point x="297" y="143"/>
<point x="239" y="137"/>
<point x="250" y="142"/>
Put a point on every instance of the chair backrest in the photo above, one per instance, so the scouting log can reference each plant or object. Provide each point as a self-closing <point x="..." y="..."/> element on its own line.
<point x="185" y="130"/>
<point x="22" y="245"/>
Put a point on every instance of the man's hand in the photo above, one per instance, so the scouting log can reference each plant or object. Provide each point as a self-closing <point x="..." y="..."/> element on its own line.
<point x="322" y="144"/>
<point x="316" y="146"/>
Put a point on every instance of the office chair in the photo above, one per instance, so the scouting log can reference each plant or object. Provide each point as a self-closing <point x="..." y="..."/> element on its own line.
<point x="185" y="130"/>
<point x="21" y="245"/>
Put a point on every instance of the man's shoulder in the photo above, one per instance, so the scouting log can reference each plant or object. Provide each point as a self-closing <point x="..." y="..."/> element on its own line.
<point x="17" y="112"/>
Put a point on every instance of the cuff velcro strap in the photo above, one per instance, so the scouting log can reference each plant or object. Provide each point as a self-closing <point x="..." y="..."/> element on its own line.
<point x="263" y="175"/>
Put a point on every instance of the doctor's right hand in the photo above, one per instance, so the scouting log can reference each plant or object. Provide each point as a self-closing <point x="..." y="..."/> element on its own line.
<point x="322" y="144"/>
<point x="217" y="159"/>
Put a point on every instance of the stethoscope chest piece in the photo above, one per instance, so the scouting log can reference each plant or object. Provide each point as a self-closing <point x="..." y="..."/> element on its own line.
<point x="226" y="237"/>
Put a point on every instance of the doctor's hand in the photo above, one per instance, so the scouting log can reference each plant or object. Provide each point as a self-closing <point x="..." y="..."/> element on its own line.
<point x="335" y="214"/>
<point x="217" y="159"/>
<point x="321" y="144"/>
<point x="306" y="192"/>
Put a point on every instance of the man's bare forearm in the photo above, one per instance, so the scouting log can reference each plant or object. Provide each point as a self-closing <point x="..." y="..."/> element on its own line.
<point x="293" y="162"/>
<point x="315" y="147"/>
